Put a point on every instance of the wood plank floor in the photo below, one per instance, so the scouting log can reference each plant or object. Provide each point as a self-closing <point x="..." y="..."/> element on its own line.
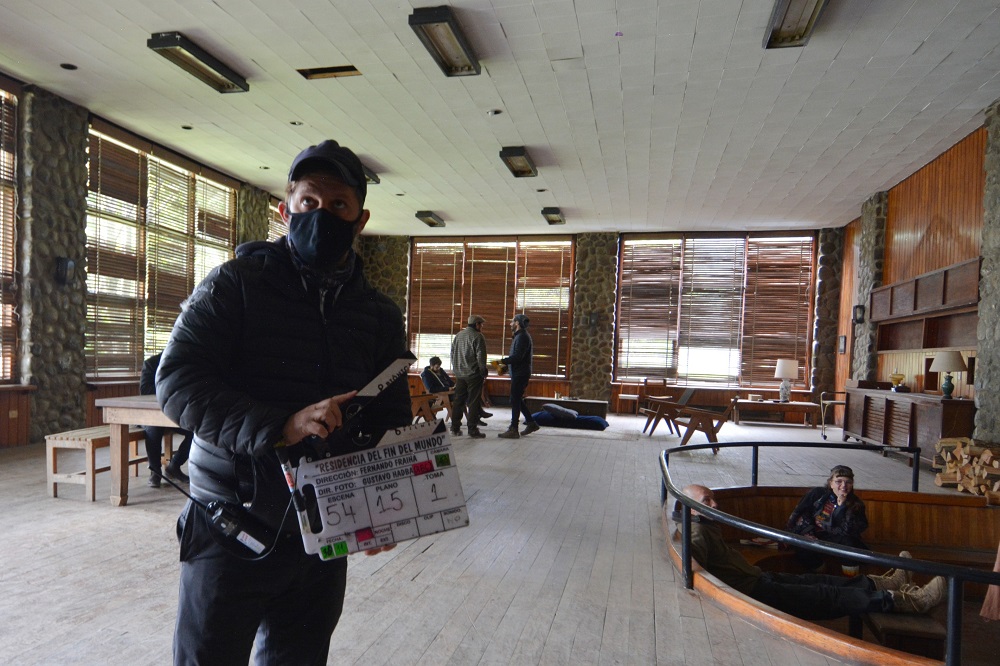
<point x="564" y="561"/>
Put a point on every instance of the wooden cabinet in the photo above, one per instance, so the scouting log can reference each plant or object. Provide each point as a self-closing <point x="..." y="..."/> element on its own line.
<point x="906" y="419"/>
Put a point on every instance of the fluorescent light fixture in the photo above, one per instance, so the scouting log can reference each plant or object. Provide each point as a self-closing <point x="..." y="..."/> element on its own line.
<point x="792" y="23"/>
<point x="553" y="215"/>
<point x="442" y="37"/>
<point x="194" y="60"/>
<point x="371" y="176"/>
<point x="518" y="161"/>
<point x="429" y="218"/>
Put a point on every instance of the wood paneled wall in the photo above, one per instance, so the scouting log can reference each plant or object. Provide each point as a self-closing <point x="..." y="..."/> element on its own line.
<point x="97" y="390"/>
<point x="15" y="415"/>
<point x="935" y="216"/>
<point x="911" y="364"/>
<point x="848" y="285"/>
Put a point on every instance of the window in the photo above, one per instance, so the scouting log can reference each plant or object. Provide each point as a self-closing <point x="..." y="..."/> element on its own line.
<point x="8" y="205"/>
<point x="154" y="230"/>
<point x="722" y="310"/>
<point x="495" y="278"/>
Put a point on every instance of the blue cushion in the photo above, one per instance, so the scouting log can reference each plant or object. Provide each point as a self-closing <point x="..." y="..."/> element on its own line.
<point x="561" y="413"/>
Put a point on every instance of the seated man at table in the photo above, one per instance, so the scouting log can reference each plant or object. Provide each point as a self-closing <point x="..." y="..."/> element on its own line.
<point x="807" y="596"/>
<point x="435" y="379"/>
<point x="154" y="434"/>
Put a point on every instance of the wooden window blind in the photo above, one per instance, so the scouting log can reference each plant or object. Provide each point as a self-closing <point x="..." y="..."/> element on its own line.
<point x="648" y="308"/>
<point x="711" y="308"/>
<point x="779" y="293"/>
<point x="276" y="227"/>
<point x="8" y="208"/>
<point x="719" y="310"/>
<point x="493" y="278"/>
<point x="155" y="230"/>
<point x="116" y="199"/>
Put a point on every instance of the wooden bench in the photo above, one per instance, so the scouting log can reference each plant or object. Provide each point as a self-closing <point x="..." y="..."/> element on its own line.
<point x="916" y="634"/>
<point x="89" y="440"/>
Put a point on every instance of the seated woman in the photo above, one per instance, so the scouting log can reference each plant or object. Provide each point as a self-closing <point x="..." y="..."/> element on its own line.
<point x="830" y="513"/>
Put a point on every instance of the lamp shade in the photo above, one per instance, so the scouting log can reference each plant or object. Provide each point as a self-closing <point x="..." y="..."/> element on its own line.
<point x="948" y="361"/>
<point x="786" y="369"/>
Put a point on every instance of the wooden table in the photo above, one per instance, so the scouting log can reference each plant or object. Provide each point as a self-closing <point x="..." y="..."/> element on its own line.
<point x="120" y="413"/>
<point x="810" y="409"/>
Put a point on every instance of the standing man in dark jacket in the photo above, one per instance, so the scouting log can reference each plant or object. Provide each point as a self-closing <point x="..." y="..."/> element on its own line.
<point x="268" y="350"/>
<point x="468" y="360"/>
<point x="154" y="434"/>
<point x="519" y="362"/>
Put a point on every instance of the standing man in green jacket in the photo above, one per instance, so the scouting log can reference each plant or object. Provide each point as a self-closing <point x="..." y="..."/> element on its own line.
<point x="468" y="361"/>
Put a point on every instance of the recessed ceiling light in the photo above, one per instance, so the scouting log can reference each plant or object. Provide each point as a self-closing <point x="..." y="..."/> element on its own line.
<point x="263" y="168"/>
<point x="400" y="194"/>
<point x="328" y="72"/>
<point x="186" y="127"/>
<point x="494" y="112"/>
<point x="297" y="123"/>
<point x="68" y="66"/>
<point x="541" y="189"/>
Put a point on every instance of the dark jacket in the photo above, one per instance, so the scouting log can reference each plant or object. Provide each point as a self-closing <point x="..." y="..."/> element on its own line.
<point x="147" y="379"/>
<point x="436" y="382"/>
<point x="253" y="345"/>
<point x="519" y="360"/>
<point x="844" y="526"/>
<point x="719" y="558"/>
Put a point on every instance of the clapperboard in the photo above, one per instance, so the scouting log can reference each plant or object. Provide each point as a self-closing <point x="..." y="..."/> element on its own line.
<point x="396" y="484"/>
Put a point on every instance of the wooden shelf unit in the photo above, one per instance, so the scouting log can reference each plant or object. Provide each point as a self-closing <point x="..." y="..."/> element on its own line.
<point x="937" y="310"/>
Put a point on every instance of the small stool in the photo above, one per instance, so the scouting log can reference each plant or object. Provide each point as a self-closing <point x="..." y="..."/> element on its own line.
<point x="916" y="634"/>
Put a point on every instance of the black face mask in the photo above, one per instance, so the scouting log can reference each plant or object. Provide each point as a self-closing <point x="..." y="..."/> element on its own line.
<point x="320" y="240"/>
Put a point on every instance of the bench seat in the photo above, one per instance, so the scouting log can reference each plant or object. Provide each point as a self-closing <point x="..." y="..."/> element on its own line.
<point x="916" y="634"/>
<point x="88" y="440"/>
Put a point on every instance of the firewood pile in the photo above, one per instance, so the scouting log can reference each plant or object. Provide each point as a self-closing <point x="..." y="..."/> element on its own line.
<point x="970" y="466"/>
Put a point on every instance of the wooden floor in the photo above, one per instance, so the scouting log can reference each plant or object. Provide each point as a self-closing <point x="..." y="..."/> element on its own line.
<point x="564" y="561"/>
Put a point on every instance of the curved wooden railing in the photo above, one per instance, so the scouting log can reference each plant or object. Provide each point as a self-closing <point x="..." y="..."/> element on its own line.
<point x="955" y="575"/>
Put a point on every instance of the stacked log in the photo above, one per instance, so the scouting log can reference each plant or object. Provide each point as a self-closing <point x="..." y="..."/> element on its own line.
<point x="969" y="466"/>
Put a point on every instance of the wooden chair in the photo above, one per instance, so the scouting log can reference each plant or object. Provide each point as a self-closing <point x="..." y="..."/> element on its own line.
<point x="704" y="420"/>
<point x="426" y="406"/>
<point x="665" y="410"/>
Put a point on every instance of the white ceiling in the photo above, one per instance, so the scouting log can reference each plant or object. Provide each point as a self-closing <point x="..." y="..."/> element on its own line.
<point x="684" y="122"/>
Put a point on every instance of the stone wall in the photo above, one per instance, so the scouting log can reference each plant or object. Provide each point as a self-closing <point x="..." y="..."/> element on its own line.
<point x="52" y="170"/>
<point x="252" y="214"/>
<point x="594" y="289"/>
<point x="869" y="277"/>
<point x="387" y="265"/>
<point x="828" y="280"/>
<point x="988" y="352"/>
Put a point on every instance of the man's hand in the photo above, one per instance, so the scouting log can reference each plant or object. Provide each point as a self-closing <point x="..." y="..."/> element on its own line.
<point x="319" y="419"/>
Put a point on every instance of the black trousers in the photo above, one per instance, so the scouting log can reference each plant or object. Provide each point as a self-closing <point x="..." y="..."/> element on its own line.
<point x="289" y="600"/>
<point x="468" y="391"/>
<point x="518" y="385"/>
<point x="820" y="597"/>
<point x="154" y="446"/>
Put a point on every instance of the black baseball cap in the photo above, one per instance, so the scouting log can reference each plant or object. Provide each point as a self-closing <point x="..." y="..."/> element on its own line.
<point x="331" y="156"/>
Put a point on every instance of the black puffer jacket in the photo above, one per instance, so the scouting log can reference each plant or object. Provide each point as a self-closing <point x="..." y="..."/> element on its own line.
<point x="253" y="345"/>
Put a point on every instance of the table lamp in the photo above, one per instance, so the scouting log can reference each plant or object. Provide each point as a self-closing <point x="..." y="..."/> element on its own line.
<point x="786" y="370"/>
<point x="948" y="362"/>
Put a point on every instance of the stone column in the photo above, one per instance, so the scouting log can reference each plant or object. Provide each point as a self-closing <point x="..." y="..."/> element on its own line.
<point x="871" y="262"/>
<point x="987" y="382"/>
<point x="52" y="172"/>
<point x="594" y="289"/>
<point x="252" y="214"/>
<point x="387" y="265"/>
<point x="828" y="277"/>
